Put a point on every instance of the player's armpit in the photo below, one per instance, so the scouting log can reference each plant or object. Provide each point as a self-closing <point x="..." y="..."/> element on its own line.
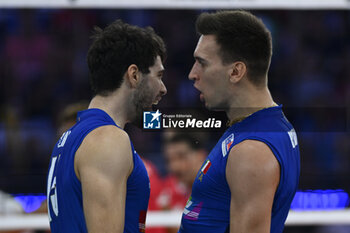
<point x="103" y="164"/>
<point x="253" y="175"/>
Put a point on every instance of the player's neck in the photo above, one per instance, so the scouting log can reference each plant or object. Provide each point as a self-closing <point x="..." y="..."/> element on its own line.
<point x="115" y="105"/>
<point x="247" y="102"/>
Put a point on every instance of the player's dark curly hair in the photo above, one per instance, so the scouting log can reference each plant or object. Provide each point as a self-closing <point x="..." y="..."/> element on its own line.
<point x="241" y="37"/>
<point x="117" y="47"/>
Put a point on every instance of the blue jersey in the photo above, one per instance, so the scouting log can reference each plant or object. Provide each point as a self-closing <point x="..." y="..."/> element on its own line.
<point x="208" y="208"/>
<point x="64" y="194"/>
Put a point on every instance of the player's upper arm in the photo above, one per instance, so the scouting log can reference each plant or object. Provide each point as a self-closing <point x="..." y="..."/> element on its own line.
<point x="103" y="163"/>
<point x="253" y="174"/>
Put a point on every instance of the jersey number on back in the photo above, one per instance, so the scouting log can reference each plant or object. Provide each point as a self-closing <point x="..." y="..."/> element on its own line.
<point x="51" y="185"/>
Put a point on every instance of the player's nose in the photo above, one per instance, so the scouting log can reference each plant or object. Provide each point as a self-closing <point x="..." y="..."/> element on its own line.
<point x="163" y="89"/>
<point x="193" y="75"/>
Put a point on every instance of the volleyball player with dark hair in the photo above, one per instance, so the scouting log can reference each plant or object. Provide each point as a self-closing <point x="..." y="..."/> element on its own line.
<point x="249" y="179"/>
<point x="97" y="182"/>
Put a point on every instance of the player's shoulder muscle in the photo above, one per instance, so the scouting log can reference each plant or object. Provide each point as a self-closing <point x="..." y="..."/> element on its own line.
<point x="106" y="147"/>
<point x="252" y="162"/>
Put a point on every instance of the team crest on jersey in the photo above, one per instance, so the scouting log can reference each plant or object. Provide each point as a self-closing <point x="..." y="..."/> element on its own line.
<point x="226" y="144"/>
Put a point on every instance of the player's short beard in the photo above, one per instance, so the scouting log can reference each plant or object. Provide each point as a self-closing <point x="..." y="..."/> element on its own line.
<point x="142" y="101"/>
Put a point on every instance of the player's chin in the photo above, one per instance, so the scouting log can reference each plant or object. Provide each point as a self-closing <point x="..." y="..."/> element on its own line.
<point x="151" y="107"/>
<point x="214" y="108"/>
<point x="208" y="106"/>
<point x="211" y="107"/>
<point x="179" y="176"/>
<point x="147" y="106"/>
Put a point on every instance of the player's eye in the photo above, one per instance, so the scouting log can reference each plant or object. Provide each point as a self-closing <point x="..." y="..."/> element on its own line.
<point x="201" y="62"/>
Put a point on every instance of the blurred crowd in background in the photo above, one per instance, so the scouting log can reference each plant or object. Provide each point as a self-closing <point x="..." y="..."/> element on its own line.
<point x="43" y="70"/>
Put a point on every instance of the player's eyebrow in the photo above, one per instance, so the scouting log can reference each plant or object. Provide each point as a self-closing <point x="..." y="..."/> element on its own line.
<point x="200" y="60"/>
<point x="161" y="72"/>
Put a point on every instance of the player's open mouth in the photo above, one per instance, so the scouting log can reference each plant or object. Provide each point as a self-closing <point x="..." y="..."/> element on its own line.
<point x="201" y="96"/>
<point x="156" y="101"/>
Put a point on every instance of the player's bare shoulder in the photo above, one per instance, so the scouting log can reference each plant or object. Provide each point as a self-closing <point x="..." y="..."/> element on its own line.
<point x="253" y="152"/>
<point x="105" y="147"/>
<point x="254" y="162"/>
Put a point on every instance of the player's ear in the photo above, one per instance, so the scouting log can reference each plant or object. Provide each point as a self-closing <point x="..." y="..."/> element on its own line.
<point x="237" y="71"/>
<point x="132" y="75"/>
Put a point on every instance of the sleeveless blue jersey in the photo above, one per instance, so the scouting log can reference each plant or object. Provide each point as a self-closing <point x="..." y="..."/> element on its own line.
<point x="208" y="208"/>
<point x="64" y="194"/>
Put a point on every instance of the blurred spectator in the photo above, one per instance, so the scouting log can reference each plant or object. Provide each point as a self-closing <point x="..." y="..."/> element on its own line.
<point x="184" y="154"/>
<point x="156" y="187"/>
<point x="68" y="116"/>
